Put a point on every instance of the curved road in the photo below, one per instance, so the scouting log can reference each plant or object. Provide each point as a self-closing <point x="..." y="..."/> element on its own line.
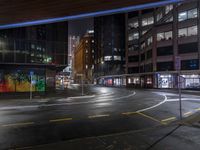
<point x="105" y="111"/>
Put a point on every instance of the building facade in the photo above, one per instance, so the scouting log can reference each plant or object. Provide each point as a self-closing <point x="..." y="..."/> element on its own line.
<point x="38" y="51"/>
<point x="109" y="36"/>
<point x="160" y="40"/>
<point x="84" y="59"/>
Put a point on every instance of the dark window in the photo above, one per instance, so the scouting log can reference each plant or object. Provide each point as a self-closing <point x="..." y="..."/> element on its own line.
<point x="148" y="68"/>
<point x="190" y="64"/>
<point x="188" y="48"/>
<point x="143" y="57"/>
<point x="133" y="58"/>
<point x="165" y="66"/>
<point x="163" y="51"/>
<point x="149" y="54"/>
<point x="133" y="70"/>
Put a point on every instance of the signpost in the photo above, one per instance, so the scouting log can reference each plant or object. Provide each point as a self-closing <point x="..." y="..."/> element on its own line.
<point x="31" y="85"/>
<point x="178" y="68"/>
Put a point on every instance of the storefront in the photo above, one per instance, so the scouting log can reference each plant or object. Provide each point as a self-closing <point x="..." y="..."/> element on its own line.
<point x="191" y="81"/>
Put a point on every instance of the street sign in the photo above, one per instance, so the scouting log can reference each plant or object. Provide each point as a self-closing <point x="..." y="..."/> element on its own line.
<point x="178" y="63"/>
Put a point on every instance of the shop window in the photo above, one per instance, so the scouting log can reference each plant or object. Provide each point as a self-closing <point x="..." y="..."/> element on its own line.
<point x="188" y="48"/>
<point x="168" y="35"/>
<point x="160" y="36"/>
<point x="190" y="64"/>
<point x="165" y="66"/>
<point x="164" y="51"/>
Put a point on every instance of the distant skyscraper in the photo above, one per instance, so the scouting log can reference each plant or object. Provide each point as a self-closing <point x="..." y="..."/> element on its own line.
<point x="73" y="42"/>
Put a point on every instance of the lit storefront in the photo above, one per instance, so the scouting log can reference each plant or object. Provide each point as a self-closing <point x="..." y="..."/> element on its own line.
<point x="191" y="81"/>
<point x="165" y="80"/>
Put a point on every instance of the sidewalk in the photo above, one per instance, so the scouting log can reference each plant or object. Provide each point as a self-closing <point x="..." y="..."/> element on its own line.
<point x="170" y="137"/>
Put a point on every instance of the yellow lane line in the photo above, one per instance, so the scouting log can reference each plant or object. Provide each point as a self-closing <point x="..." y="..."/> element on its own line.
<point x="22" y="148"/>
<point x="168" y="119"/>
<point x="187" y="113"/>
<point x="61" y="119"/>
<point x="129" y="113"/>
<point x="98" y="116"/>
<point x="149" y="117"/>
<point x="18" y="124"/>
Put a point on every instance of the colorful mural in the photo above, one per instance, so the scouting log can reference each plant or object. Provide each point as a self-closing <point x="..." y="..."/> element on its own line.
<point x="19" y="81"/>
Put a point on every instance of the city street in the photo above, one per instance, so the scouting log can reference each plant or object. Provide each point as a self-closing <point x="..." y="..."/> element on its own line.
<point x="105" y="111"/>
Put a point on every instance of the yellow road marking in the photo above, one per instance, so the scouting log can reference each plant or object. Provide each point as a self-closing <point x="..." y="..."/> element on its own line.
<point x="129" y="113"/>
<point x="22" y="148"/>
<point x="98" y="116"/>
<point x="198" y="109"/>
<point x="152" y="118"/>
<point x="169" y="119"/>
<point x="61" y="119"/>
<point x="187" y="113"/>
<point x="18" y="124"/>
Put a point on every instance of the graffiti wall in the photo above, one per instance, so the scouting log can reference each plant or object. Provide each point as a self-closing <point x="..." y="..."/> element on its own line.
<point x="20" y="81"/>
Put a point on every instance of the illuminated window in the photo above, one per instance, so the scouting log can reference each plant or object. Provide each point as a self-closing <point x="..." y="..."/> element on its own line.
<point x="147" y="21"/>
<point x="168" y="8"/>
<point x="107" y="58"/>
<point x="133" y="36"/>
<point x="117" y="57"/>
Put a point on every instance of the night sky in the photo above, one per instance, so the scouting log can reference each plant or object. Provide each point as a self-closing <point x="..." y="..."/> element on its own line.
<point x="79" y="27"/>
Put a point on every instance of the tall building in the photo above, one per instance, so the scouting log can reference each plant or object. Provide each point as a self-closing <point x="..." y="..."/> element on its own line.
<point x="157" y="39"/>
<point x="109" y="36"/>
<point x="84" y="59"/>
<point x="73" y="41"/>
<point x="38" y="51"/>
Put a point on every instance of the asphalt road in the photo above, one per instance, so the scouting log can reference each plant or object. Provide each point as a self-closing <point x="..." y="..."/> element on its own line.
<point x="25" y="124"/>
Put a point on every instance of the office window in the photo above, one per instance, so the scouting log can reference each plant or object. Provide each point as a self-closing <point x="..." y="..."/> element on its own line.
<point x="192" y="13"/>
<point x="190" y="64"/>
<point x="168" y="35"/>
<point x="143" y="45"/>
<point x="168" y="8"/>
<point x="117" y="57"/>
<point x="182" y="32"/>
<point x="182" y="16"/>
<point x="150" y="40"/>
<point x="160" y="36"/>
<point x="165" y="66"/>
<point x="170" y="19"/>
<point x="147" y="21"/>
<point x="133" y="58"/>
<point x="192" y="31"/>
<point x="144" y="31"/>
<point x="164" y="36"/>
<point x="159" y="16"/>
<point x="188" y="48"/>
<point x="133" y="36"/>
<point x="187" y="14"/>
<point x="163" y="51"/>
<point x="133" y="24"/>
<point x="107" y="58"/>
